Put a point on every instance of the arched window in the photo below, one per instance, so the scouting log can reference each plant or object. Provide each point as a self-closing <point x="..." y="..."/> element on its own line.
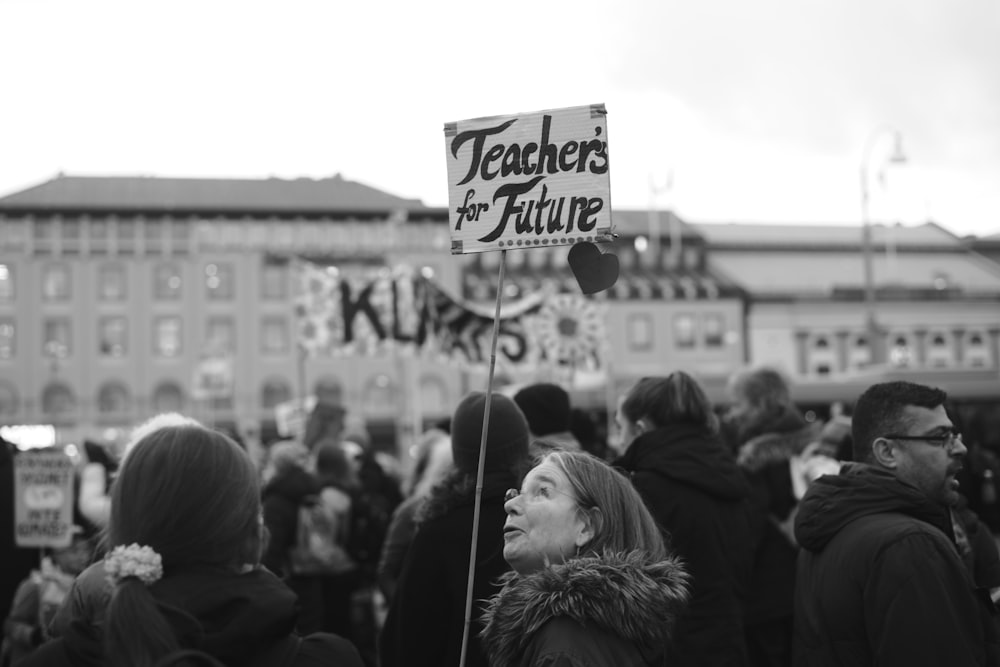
<point x="168" y="397"/>
<point x="940" y="350"/>
<point x="273" y="392"/>
<point x="379" y="398"/>
<point x="434" y="399"/>
<point x="329" y="390"/>
<point x="977" y="352"/>
<point x="58" y="402"/>
<point x="113" y="399"/>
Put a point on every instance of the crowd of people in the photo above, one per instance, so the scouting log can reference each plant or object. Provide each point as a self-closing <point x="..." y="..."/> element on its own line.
<point x="693" y="536"/>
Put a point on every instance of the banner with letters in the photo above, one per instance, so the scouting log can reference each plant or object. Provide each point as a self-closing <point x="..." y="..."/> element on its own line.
<point x="378" y="310"/>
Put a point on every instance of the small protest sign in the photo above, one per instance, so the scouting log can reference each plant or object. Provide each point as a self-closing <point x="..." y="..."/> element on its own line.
<point x="528" y="180"/>
<point x="43" y="492"/>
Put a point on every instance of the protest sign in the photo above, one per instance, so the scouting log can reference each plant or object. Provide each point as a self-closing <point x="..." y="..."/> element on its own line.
<point x="43" y="493"/>
<point x="528" y="180"/>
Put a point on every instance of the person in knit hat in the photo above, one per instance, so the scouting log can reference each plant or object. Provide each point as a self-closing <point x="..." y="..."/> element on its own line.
<point x="547" y="408"/>
<point x="426" y="619"/>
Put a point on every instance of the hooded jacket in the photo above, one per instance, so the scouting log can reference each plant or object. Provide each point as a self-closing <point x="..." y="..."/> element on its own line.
<point x="766" y="460"/>
<point x="611" y="611"/>
<point x="698" y="495"/>
<point x="243" y="620"/>
<point x="280" y="501"/>
<point x="880" y="580"/>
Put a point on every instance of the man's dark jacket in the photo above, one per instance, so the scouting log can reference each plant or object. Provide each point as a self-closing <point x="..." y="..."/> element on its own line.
<point x="880" y="580"/>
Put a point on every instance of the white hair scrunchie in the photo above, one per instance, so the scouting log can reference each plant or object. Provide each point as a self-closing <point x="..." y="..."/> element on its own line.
<point x="133" y="561"/>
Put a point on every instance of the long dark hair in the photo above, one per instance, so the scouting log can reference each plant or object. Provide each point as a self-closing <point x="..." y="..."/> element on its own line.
<point x="192" y="495"/>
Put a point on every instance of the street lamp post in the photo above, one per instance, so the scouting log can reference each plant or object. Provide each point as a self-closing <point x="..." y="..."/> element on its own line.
<point x="873" y="332"/>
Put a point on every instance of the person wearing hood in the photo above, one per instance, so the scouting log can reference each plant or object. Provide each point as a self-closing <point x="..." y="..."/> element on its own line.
<point x="771" y="434"/>
<point x="426" y="622"/>
<point x="881" y="578"/>
<point x="593" y="584"/>
<point x="182" y="568"/>
<point x="695" y="491"/>
<point x="288" y="486"/>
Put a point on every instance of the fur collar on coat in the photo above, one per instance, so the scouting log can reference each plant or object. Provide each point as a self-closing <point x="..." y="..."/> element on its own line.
<point x="624" y="594"/>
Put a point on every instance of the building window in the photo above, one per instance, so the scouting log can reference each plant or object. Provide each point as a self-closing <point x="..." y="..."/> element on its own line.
<point x="273" y="393"/>
<point x="56" y="282"/>
<point x="274" y="338"/>
<point x="434" y="396"/>
<point x="8" y="400"/>
<point x="111" y="282"/>
<point x="684" y="330"/>
<point x="57" y="338"/>
<point x="219" y="281"/>
<point x="98" y="237"/>
<point x="8" y="339"/>
<point x="58" y="401"/>
<point x="44" y="233"/>
<point x="70" y="236"/>
<point x="167" y="282"/>
<point x="639" y="331"/>
<point x="112" y="337"/>
<point x="125" y="231"/>
<point x="113" y="399"/>
<point x="715" y="334"/>
<point x="168" y="397"/>
<point x="153" y="233"/>
<point x="6" y="283"/>
<point x="274" y="280"/>
<point x="220" y="335"/>
<point x="900" y="354"/>
<point x="167" y="336"/>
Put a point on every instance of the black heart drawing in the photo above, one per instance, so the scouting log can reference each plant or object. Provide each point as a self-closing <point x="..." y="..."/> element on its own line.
<point x="594" y="270"/>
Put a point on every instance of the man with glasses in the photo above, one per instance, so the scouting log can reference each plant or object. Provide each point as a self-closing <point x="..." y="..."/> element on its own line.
<point x="881" y="578"/>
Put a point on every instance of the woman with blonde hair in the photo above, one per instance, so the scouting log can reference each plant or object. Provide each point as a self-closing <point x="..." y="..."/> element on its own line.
<point x="593" y="583"/>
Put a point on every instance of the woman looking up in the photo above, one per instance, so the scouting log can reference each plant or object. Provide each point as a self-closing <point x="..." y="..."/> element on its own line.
<point x="593" y="584"/>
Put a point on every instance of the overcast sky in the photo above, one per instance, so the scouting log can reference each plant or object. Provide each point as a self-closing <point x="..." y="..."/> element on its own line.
<point x="760" y="109"/>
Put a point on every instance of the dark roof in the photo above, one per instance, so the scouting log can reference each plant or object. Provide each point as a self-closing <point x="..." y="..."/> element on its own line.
<point x="275" y="196"/>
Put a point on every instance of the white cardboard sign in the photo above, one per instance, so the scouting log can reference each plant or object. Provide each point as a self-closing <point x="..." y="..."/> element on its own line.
<point x="528" y="180"/>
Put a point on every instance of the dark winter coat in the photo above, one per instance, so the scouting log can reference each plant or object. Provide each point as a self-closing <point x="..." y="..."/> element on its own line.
<point x="610" y="611"/>
<point x="281" y="499"/>
<point x="426" y="619"/>
<point x="695" y="491"/>
<point x="880" y="581"/>
<point x="243" y="620"/>
<point x="766" y="460"/>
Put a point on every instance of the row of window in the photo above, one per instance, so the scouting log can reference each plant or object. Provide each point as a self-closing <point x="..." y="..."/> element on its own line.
<point x="112" y="282"/>
<point x="689" y="331"/>
<point x="114" y="398"/>
<point x="113" y="338"/>
<point x="937" y="349"/>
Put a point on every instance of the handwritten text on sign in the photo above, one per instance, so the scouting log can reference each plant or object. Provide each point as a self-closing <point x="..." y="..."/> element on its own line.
<point x="43" y="511"/>
<point x="528" y="180"/>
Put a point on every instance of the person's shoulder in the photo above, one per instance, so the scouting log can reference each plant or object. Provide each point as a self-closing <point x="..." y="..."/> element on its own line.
<point x="323" y="649"/>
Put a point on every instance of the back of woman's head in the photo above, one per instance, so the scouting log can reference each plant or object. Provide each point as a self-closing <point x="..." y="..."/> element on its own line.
<point x="675" y="399"/>
<point x="192" y="496"/>
<point x="621" y="520"/>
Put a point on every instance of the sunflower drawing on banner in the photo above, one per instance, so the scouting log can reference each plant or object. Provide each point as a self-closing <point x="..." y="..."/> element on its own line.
<point x="569" y="329"/>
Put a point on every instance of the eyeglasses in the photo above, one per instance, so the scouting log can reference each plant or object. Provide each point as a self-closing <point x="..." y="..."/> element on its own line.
<point x="946" y="440"/>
